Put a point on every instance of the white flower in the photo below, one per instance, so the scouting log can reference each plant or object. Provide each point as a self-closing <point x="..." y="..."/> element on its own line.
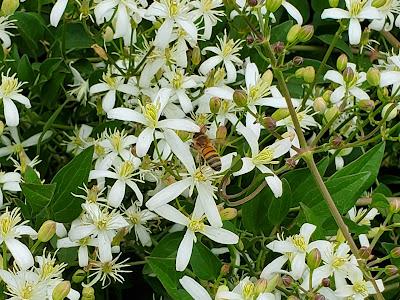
<point x="259" y="159"/>
<point x="246" y="289"/>
<point x="357" y="11"/>
<point x="9" y="182"/>
<point x="117" y="143"/>
<point x="339" y="161"/>
<point x="359" y="289"/>
<point x="23" y="284"/>
<point x="137" y="220"/>
<point x="174" y="13"/>
<point x="200" y="178"/>
<point x="194" y="288"/>
<point x="111" y="84"/>
<point x="11" y="228"/>
<point x="10" y="90"/>
<point x="227" y="53"/>
<point x="346" y="89"/>
<point x="80" y="86"/>
<point x="361" y="216"/>
<point x="206" y="10"/>
<point x="80" y="140"/>
<point x="57" y="11"/>
<point x="83" y="252"/>
<point x="194" y="224"/>
<point x="293" y="12"/>
<point x="5" y="25"/>
<point x="99" y="223"/>
<point x="151" y="113"/>
<point x="295" y="248"/>
<point x="18" y="147"/>
<point x="391" y="76"/>
<point x="388" y="9"/>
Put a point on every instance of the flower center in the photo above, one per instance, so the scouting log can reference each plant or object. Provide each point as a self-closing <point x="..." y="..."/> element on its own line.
<point x="228" y="48"/>
<point x="107" y="268"/>
<point x="177" y="81"/>
<point x="92" y="194"/>
<point x="110" y="81"/>
<point x="356" y="6"/>
<point x="84" y="241"/>
<point x="199" y="175"/>
<point x="99" y="150"/>
<point x="9" y="85"/>
<point x="27" y="291"/>
<point x="339" y="262"/>
<point x="248" y="290"/>
<point x="196" y="225"/>
<point x="151" y="113"/>
<point x="360" y="287"/>
<point x="5" y="224"/>
<point x="207" y="5"/>
<point x="116" y="141"/>
<point x="173" y="8"/>
<point x="299" y="242"/>
<point x="135" y="218"/>
<point x="264" y="157"/>
<point x="126" y="169"/>
<point x="47" y="269"/>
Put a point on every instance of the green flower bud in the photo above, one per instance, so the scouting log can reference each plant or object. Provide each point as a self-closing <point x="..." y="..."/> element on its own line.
<point x="373" y="76"/>
<point x="299" y="73"/>
<point x="378" y="3"/>
<point x="314" y="259"/>
<point x="196" y="56"/>
<point x="240" y="98"/>
<point x="225" y="269"/>
<point x="309" y="74"/>
<point x="334" y="3"/>
<point x="1" y="128"/>
<point x="392" y="113"/>
<point x="327" y="95"/>
<point x="365" y="36"/>
<point x="383" y="94"/>
<point x="78" y="276"/>
<point x="391" y="270"/>
<point x="306" y="33"/>
<point x="341" y="62"/>
<point x="366" y="104"/>
<point x="215" y="105"/>
<point x="61" y="290"/>
<point x="272" y="283"/>
<point x="293" y="33"/>
<point x="394" y="205"/>
<point x="280" y="114"/>
<point x="108" y="34"/>
<point x="292" y="297"/>
<point x="395" y="252"/>
<point x="267" y="77"/>
<point x="273" y="5"/>
<point x="228" y="213"/>
<point x="46" y="231"/>
<point x="331" y="113"/>
<point x="88" y="293"/>
<point x="287" y="280"/>
<point x="365" y="252"/>
<point x="319" y="105"/>
<point x="260" y="286"/>
<point x="348" y="75"/>
<point x="8" y="7"/>
<point x="221" y="133"/>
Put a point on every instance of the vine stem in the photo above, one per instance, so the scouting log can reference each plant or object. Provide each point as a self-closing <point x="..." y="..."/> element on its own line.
<point x="308" y="157"/>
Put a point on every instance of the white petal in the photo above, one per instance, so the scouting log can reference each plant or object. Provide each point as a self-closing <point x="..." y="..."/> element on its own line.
<point x="230" y="71"/>
<point x="338" y="94"/>
<point x="354" y="31"/>
<point x="194" y="289"/>
<point x="168" y="194"/>
<point x="144" y="141"/>
<point x="298" y="265"/>
<point x="116" y="194"/>
<point x="273" y="267"/>
<point x="122" y="21"/>
<point x="179" y="124"/>
<point x="172" y="214"/>
<point x="189" y="27"/>
<point x="247" y="166"/>
<point x="389" y="78"/>
<point x="126" y="114"/>
<point x="220" y="235"/>
<point x="335" y="13"/>
<point x="105" y="253"/>
<point x="22" y="256"/>
<point x="10" y="112"/>
<point x="164" y="34"/>
<point x="209" y="64"/>
<point x="57" y="12"/>
<point x="334" y="76"/>
<point x="180" y="149"/>
<point x="359" y="93"/>
<point x="292" y="10"/>
<point x="83" y="256"/>
<point x="205" y="197"/>
<point x="108" y="101"/>
<point x="185" y="251"/>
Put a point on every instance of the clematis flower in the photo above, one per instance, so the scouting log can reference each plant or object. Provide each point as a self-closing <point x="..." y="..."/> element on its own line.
<point x="10" y="90"/>
<point x="227" y="54"/>
<point x="22" y="284"/>
<point x="11" y="229"/>
<point x="206" y="10"/>
<point x="80" y="86"/>
<point x="5" y="26"/>
<point x="151" y="113"/>
<point x="391" y="74"/>
<point x="194" y="224"/>
<point x="246" y="289"/>
<point x="388" y="20"/>
<point x="357" y="11"/>
<point x="80" y="140"/>
<point x="174" y="13"/>
<point x="259" y="159"/>
<point x="9" y="182"/>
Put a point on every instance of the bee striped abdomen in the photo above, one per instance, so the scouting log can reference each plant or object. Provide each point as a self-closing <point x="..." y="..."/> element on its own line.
<point x="212" y="158"/>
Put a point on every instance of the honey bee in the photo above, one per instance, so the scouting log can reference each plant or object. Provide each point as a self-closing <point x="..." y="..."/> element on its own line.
<point x="203" y="145"/>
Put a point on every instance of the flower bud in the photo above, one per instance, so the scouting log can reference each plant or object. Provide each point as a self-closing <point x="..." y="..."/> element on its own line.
<point x="240" y="98"/>
<point x="365" y="252"/>
<point x="333" y="3"/>
<point x="373" y="76"/>
<point x="365" y="36"/>
<point x="61" y="290"/>
<point x="215" y="105"/>
<point x="306" y="33"/>
<point x="280" y="114"/>
<point x="252" y="3"/>
<point x="100" y="51"/>
<point x="327" y="95"/>
<point x="267" y="77"/>
<point x="8" y="7"/>
<point x="341" y="62"/>
<point x="395" y="252"/>
<point x="278" y="47"/>
<point x="309" y="74"/>
<point x="337" y="140"/>
<point x="319" y="105"/>
<point x="228" y="213"/>
<point x="249" y="39"/>
<point x="221" y="133"/>
<point x="196" y="56"/>
<point x="319" y="297"/>
<point x="292" y="297"/>
<point x="366" y="104"/>
<point x="313" y="259"/>
<point x="88" y="293"/>
<point x="46" y="231"/>
<point x="348" y="75"/>
<point x="383" y="94"/>
<point x="287" y="280"/>
<point x="225" y="269"/>
<point x="394" y="205"/>
<point x="326" y="282"/>
<point x="269" y="123"/>
<point x="392" y="113"/>
<point x="378" y="3"/>
<point x="391" y="270"/>
<point x="293" y="33"/>
<point x="273" y="5"/>
<point x="108" y="34"/>
<point x="299" y="73"/>
<point x="260" y="286"/>
<point x="221" y="289"/>
<point x="1" y="128"/>
<point x="78" y="276"/>
<point x="272" y="283"/>
<point x="297" y="60"/>
<point x="331" y="113"/>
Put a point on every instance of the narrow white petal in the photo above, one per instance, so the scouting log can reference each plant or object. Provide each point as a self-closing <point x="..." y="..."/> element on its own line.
<point x="220" y="235"/>
<point x="22" y="256"/>
<point x="194" y="289"/>
<point x="185" y="251"/>
<point x="168" y="194"/>
<point x="57" y="12"/>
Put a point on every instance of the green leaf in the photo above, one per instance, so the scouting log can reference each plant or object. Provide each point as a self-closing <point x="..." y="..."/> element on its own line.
<point x="279" y="207"/>
<point x="65" y="207"/>
<point x="312" y="217"/>
<point x="38" y="196"/>
<point x="76" y="37"/>
<point x="279" y="32"/>
<point x="30" y="176"/>
<point x="340" y="44"/>
<point x="204" y="263"/>
<point x="380" y="202"/>
<point x="24" y="70"/>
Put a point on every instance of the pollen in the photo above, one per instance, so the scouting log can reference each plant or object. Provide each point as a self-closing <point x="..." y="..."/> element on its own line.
<point x="151" y="113"/>
<point x="27" y="291"/>
<point x="264" y="157"/>
<point x="177" y="81"/>
<point x="126" y="169"/>
<point x="196" y="225"/>
<point x="248" y="290"/>
<point x="299" y="242"/>
<point x="360" y="287"/>
<point x="9" y="85"/>
<point x="110" y="81"/>
<point x="356" y="6"/>
<point x="339" y="262"/>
